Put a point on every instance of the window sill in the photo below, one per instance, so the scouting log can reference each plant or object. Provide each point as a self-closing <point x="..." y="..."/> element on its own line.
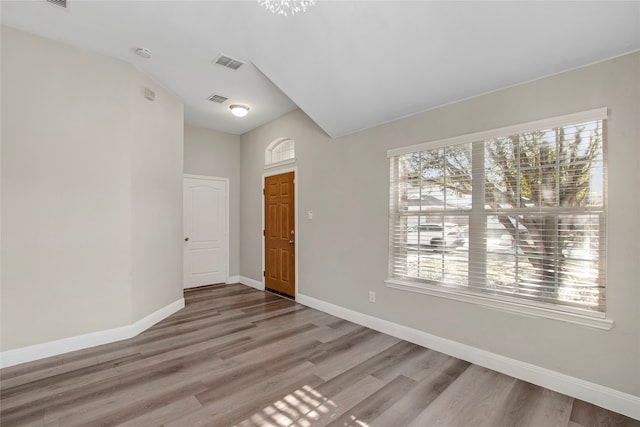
<point x="578" y="317"/>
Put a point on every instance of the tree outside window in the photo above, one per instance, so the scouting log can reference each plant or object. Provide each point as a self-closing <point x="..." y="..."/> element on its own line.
<point x="519" y="215"/>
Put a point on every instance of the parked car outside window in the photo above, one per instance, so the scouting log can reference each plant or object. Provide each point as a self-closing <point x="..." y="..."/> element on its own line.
<point x="438" y="237"/>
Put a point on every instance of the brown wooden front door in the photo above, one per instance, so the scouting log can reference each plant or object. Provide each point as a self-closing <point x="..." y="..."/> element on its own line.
<point x="279" y="220"/>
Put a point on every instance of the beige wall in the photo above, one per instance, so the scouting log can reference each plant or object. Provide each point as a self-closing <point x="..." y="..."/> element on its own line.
<point x="156" y="198"/>
<point x="212" y="153"/>
<point x="91" y="185"/>
<point x="343" y="251"/>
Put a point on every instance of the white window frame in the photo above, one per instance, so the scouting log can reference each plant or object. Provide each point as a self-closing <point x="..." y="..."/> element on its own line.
<point x="268" y="153"/>
<point x="509" y="304"/>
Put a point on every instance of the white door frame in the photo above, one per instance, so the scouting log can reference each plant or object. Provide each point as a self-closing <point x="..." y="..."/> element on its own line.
<point x="226" y="219"/>
<point x="296" y="237"/>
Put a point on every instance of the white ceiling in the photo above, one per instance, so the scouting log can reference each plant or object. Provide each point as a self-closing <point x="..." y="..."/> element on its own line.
<point x="349" y="65"/>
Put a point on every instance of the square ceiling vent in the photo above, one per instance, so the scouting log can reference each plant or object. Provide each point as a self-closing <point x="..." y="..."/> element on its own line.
<point x="60" y="3"/>
<point x="217" y="98"/>
<point x="228" y="62"/>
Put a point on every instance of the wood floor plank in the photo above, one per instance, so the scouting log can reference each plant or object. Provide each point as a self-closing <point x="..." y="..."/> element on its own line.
<point x="267" y="337"/>
<point x="530" y="405"/>
<point x="64" y="367"/>
<point x="408" y="407"/>
<point x="298" y="314"/>
<point x="61" y="362"/>
<point x="369" y="409"/>
<point x="97" y="385"/>
<point x="238" y="356"/>
<point x="417" y="365"/>
<point x="258" y="370"/>
<point x="56" y="379"/>
<point x="29" y="368"/>
<point x="348" y="351"/>
<point x="125" y="392"/>
<point x="369" y="361"/>
<point x="254" y="397"/>
<point x="132" y="410"/>
<point x="472" y="399"/>
<point x="271" y="397"/>
<point x="587" y="415"/>
<point x="175" y="410"/>
<point x="322" y="409"/>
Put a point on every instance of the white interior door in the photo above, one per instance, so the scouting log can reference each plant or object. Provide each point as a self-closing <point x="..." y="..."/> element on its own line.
<point x="205" y="231"/>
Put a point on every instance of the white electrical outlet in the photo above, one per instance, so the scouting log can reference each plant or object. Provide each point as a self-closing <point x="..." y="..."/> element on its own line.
<point x="309" y="214"/>
<point x="372" y="296"/>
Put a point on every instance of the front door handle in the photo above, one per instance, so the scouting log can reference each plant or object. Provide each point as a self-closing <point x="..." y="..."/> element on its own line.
<point x="291" y="242"/>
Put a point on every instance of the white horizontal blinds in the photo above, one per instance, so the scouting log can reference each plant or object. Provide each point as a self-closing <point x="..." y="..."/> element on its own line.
<point x="544" y="204"/>
<point x="431" y="200"/>
<point x="527" y="222"/>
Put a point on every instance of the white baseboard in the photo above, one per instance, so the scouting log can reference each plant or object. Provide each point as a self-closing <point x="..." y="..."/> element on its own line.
<point x="253" y="283"/>
<point x="233" y="279"/>
<point x="605" y="397"/>
<point x="65" y="345"/>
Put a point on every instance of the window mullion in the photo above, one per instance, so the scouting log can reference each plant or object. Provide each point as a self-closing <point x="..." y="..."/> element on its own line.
<point x="556" y="243"/>
<point x="518" y="151"/>
<point x="477" y="219"/>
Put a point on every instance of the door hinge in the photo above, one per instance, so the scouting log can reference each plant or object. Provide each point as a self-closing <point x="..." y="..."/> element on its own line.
<point x="263" y="192"/>
<point x="264" y="274"/>
<point x="264" y="233"/>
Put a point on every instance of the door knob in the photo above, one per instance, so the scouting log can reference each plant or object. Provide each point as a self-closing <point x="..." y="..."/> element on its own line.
<point x="186" y="239"/>
<point x="291" y="242"/>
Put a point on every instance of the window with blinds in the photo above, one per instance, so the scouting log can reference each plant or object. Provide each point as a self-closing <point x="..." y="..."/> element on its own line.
<point x="517" y="213"/>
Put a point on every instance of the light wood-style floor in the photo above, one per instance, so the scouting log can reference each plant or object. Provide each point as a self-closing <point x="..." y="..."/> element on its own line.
<point x="237" y="356"/>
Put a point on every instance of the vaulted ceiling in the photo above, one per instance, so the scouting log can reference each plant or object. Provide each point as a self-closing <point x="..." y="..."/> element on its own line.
<point x="349" y="65"/>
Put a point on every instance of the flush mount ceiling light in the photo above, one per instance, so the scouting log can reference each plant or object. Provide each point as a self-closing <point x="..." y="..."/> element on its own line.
<point x="286" y="7"/>
<point x="239" y="110"/>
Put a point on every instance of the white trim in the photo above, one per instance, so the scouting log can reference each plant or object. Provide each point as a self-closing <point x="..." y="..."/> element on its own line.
<point x="623" y="403"/>
<point x="279" y="171"/>
<point x="227" y="185"/>
<point x="65" y="345"/>
<point x="211" y="178"/>
<point x="253" y="283"/>
<point x="281" y="163"/>
<point x="517" y="306"/>
<point x="233" y="279"/>
<point x="575" y="118"/>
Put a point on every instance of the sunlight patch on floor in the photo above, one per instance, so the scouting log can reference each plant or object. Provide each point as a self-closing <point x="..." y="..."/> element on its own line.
<point x="300" y="408"/>
<point x="356" y="422"/>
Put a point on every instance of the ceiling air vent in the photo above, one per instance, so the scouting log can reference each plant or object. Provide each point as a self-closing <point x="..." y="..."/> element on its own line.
<point x="217" y="98"/>
<point x="61" y="3"/>
<point x="228" y="62"/>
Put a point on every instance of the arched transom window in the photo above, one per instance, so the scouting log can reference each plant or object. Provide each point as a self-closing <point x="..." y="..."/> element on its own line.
<point x="280" y="151"/>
